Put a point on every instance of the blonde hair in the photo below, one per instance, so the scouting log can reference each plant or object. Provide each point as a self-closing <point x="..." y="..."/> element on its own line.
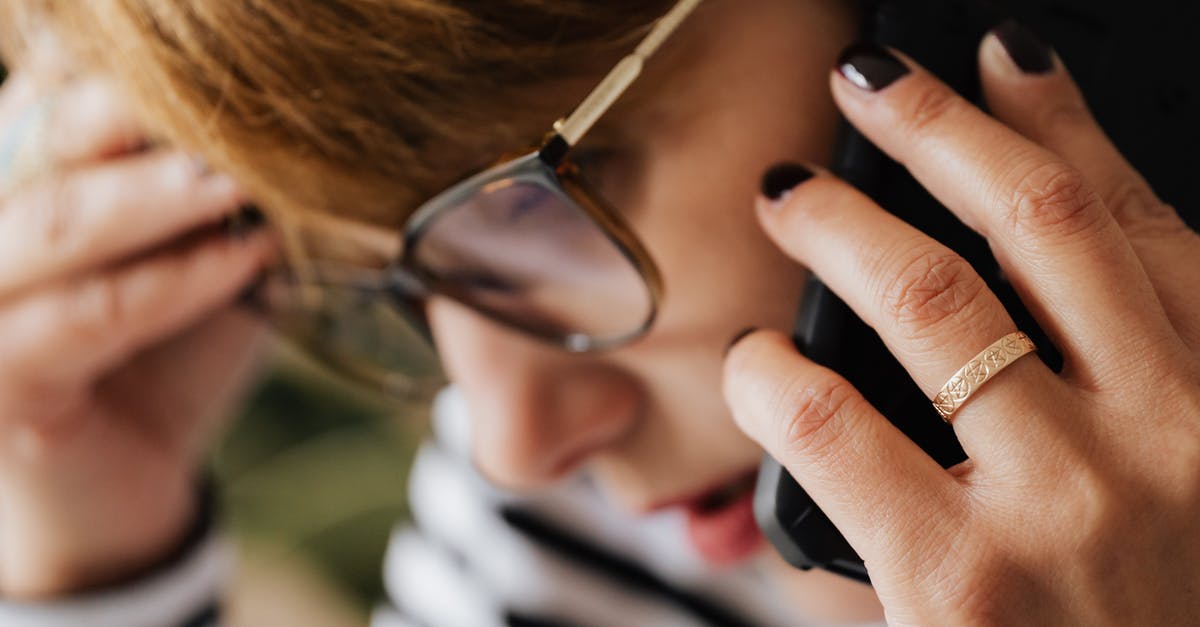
<point x="361" y="108"/>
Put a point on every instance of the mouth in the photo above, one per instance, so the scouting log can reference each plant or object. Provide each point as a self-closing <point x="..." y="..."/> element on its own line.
<point x="720" y="521"/>
<point x="725" y="495"/>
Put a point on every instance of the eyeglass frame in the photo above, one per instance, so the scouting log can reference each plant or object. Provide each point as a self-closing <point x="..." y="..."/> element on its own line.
<point x="404" y="281"/>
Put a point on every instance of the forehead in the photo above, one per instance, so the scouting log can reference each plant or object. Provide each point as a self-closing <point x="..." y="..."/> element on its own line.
<point x="722" y="55"/>
<point x="723" y="64"/>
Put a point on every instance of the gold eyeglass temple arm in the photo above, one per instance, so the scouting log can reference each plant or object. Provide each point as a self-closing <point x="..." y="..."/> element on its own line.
<point x="573" y="127"/>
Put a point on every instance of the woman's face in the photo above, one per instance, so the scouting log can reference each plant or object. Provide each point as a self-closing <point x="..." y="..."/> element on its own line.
<point x="740" y="87"/>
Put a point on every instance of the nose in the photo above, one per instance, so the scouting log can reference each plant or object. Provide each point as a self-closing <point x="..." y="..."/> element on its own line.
<point x="537" y="412"/>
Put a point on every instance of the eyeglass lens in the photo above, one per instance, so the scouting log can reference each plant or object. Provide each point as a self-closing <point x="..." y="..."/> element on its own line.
<point x="359" y="330"/>
<point x="524" y="251"/>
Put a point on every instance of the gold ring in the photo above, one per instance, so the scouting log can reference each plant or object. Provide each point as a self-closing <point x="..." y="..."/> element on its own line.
<point x="987" y="364"/>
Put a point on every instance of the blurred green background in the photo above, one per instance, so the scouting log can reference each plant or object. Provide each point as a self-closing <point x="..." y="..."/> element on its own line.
<point x="312" y="479"/>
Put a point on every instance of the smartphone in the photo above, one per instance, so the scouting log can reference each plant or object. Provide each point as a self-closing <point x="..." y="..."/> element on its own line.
<point x="1126" y="58"/>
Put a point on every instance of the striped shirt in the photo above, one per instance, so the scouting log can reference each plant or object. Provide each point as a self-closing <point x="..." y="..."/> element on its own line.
<point x="476" y="556"/>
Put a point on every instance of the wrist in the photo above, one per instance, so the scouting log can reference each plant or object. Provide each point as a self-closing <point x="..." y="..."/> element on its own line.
<point x="49" y="551"/>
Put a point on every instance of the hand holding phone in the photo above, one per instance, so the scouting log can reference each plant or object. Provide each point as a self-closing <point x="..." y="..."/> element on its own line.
<point x="1064" y="510"/>
<point x="943" y="35"/>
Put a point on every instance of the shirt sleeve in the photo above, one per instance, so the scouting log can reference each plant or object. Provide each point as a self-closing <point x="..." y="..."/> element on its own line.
<point x="182" y="591"/>
<point x="184" y="594"/>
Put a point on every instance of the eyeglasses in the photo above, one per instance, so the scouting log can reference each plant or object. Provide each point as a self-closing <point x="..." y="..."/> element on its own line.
<point x="526" y="243"/>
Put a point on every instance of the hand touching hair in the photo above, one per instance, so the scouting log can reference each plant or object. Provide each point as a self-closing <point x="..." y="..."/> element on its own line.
<point x="358" y="107"/>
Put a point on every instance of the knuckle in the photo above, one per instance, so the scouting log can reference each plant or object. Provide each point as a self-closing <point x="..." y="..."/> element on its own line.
<point x="179" y="171"/>
<point x="99" y="306"/>
<point x="929" y="108"/>
<point x="1053" y="199"/>
<point x="1110" y="498"/>
<point x="27" y="326"/>
<point x="57" y="213"/>
<point x="1190" y="471"/>
<point x="931" y="289"/>
<point x="1129" y="201"/>
<point x="991" y="586"/>
<point x="1184" y="469"/>
<point x="814" y="415"/>
<point x="45" y="214"/>
<point x="1181" y="467"/>
<point x="1142" y="216"/>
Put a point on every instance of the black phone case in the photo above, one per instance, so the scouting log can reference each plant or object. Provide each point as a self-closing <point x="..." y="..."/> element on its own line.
<point x="1139" y="73"/>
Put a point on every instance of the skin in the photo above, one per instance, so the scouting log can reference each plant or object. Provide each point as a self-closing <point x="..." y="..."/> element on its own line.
<point x="630" y="416"/>
<point x="122" y="351"/>
<point x="635" y="415"/>
<point x="1107" y="531"/>
<point x="644" y="420"/>
<point x="649" y="420"/>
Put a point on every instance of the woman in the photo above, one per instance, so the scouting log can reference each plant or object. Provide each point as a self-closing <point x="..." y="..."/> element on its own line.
<point x="122" y="335"/>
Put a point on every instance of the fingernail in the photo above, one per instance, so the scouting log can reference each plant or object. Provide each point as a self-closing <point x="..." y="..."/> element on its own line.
<point x="741" y="335"/>
<point x="870" y="67"/>
<point x="783" y="178"/>
<point x="253" y="295"/>
<point x="1027" y="51"/>
<point x="247" y="220"/>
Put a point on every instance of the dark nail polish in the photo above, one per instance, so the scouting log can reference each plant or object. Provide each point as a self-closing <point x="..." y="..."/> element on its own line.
<point x="1026" y="50"/>
<point x="253" y="296"/>
<point x="870" y="67"/>
<point x="741" y="335"/>
<point x="783" y="178"/>
<point x="241" y="224"/>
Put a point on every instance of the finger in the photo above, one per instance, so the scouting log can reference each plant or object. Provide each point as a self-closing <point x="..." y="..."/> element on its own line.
<point x="209" y="365"/>
<point x="77" y="330"/>
<point x="877" y="487"/>
<point x="17" y="94"/>
<point x="88" y="120"/>
<point x="1050" y="231"/>
<point x="930" y="307"/>
<point x="43" y="132"/>
<point x="23" y="111"/>
<point x="103" y="213"/>
<point x="1043" y="104"/>
<point x="1047" y="107"/>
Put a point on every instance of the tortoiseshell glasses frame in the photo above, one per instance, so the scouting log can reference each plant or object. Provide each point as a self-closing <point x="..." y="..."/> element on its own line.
<point x="505" y="220"/>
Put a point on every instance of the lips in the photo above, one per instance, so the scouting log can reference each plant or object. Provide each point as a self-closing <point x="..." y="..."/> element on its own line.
<point x="725" y="495"/>
<point x="720" y="522"/>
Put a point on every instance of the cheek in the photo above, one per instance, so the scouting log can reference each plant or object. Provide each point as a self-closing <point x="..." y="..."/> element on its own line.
<point x="449" y="320"/>
<point x="721" y="273"/>
<point x="703" y="172"/>
<point x="762" y="101"/>
<point x="741" y="280"/>
<point x="537" y="412"/>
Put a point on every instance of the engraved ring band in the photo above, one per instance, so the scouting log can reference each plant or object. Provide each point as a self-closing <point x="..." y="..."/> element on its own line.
<point x="981" y="369"/>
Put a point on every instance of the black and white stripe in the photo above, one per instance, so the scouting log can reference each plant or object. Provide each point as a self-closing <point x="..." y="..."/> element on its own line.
<point x="475" y="557"/>
<point x="478" y="556"/>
